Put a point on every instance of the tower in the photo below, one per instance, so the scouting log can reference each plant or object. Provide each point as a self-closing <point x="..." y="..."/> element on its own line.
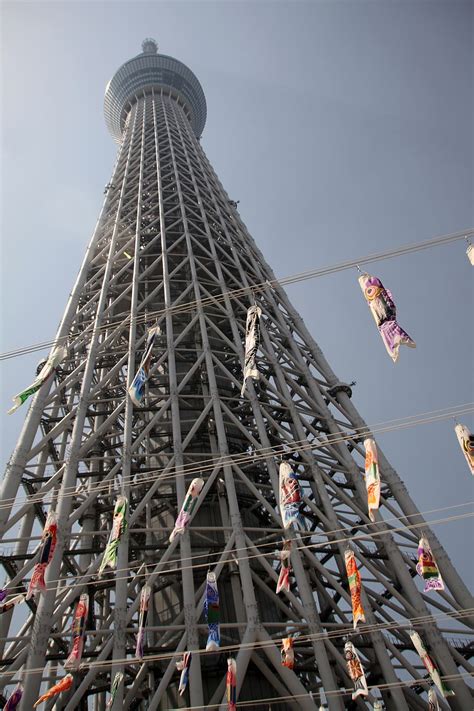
<point x="169" y="248"/>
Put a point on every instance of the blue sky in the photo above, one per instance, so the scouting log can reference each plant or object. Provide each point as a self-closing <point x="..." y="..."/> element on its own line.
<point x="343" y="128"/>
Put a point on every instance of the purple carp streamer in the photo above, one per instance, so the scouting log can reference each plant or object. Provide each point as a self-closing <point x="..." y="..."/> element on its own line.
<point x="113" y="692"/>
<point x="384" y="311"/>
<point x="144" y="602"/>
<point x="466" y="442"/>
<point x="433" y="704"/>
<point x="14" y="699"/>
<point x="430" y="665"/>
<point x="119" y="526"/>
<point x="54" y="359"/>
<point x="231" y="684"/>
<point x="137" y="388"/>
<point x="355" y="587"/>
<point x="211" y="610"/>
<point x="252" y="343"/>
<point x="183" y="666"/>
<point x="290" y="498"/>
<point x="3" y="594"/>
<point x="73" y="662"/>
<point x="372" y="476"/>
<point x="63" y="685"/>
<point x="427" y="568"/>
<point x="187" y="508"/>
<point x="10" y="604"/>
<point x="47" y="547"/>
<point x="356" y="671"/>
<point x="285" y="570"/>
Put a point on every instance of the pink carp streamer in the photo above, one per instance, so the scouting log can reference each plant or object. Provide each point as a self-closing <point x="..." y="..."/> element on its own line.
<point x="383" y="309"/>
<point x="430" y="666"/>
<point x="183" y="666"/>
<point x="73" y="662"/>
<point x="356" y="671"/>
<point x="189" y="504"/>
<point x="47" y="546"/>
<point x="231" y="684"/>
<point x="58" y="688"/>
<point x="427" y="568"/>
<point x="285" y="570"/>
<point x="287" y="653"/>
<point x="372" y="476"/>
<point x="144" y="602"/>
<point x="355" y="587"/>
<point x="466" y="442"/>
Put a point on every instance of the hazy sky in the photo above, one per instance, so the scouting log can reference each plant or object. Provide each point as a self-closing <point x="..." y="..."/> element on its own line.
<point x="343" y="128"/>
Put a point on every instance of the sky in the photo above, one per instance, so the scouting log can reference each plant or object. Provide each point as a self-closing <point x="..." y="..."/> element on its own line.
<point x="344" y="128"/>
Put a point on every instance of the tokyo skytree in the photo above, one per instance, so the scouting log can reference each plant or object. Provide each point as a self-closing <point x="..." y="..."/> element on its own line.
<point x="192" y="478"/>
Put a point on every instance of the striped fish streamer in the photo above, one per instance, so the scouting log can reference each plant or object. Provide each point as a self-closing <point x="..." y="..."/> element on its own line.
<point x="466" y="442"/>
<point x="183" y="666"/>
<point x="54" y="359"/>
<point x="355" y="587"/>
<point x="430" y="665"/>
<point x="144" y="602"/>
<point x="211" y="610"/>
<point x="287" y="653"/>
<point x="285" y="570"/>
<point x="231" y="684"/>
<point x="63" y="685"/>
<point x="384" y="311"/>
<point x="47" y="546"/>
<point x="137" y="388"/>
<point x="115" y="687"/>
<point x="356" y="671"/>
<point x="73" y="662"/>
<point x="252" y="343"/>
<point x="10" y="604"/>
<point x="119" y="526"/>
<point x="187" y="508"/>
<point x="427" y="568"/>
<point x="372" y="476"/>
<point x="433" y="704"/>
<point x="290" y="498"/>
<point x="14" y="699"/>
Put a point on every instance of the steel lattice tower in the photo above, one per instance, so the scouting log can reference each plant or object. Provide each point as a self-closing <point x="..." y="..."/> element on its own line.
<point x="169" y="242"/>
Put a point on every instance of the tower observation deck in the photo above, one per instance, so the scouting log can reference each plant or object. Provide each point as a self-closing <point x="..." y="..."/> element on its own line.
<point x="170" y="250"/>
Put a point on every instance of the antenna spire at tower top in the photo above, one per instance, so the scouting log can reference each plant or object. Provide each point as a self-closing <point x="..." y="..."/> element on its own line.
<point x="149" y="46"/>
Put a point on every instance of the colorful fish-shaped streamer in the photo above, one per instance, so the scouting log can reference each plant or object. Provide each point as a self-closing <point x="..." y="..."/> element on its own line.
<point x="54" y="359"/>
<point x="10" y="604"/>
<point x="3" y="594"/>
<point x="183" y="666"/>
<point x="73" y="662"/>
<point x="290" y="498"/>
<point x="355" y="587"/>
<point x="427" y="568"/>
<point x="430" y="665"/>
<point x="378" y="706"/>
<point x="119" y="526"/>
<point x="287" y="653"/>
<point x="433" y="704"/>
<point x="211" y="609"/>
<point x="384" y="311"/>
<point x="470" y="253"/>
<point x="115" y="686"/>
<point x="372" y="476"/>
<point x="231" y="684"/>
<point x="356" y="671"/>
<point x="137" y="388"/>
<point x="285" y="570"/>
<point x="58" y="688"/>
<point x="466" y="442"/>
<point x="47" y="546"/>
<point x="14" y="699"/>
<point x="252" y="342"/>
<point x="187" y="508"/>
<point x="144" y="602"/>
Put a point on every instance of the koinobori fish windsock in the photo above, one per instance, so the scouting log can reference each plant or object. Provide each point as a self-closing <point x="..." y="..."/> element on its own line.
<point x="356" y="671"/>
<point x="115" y="686"/>
<point x="372" y="476"/>
<point x="144" y="602"/>
<point x="284" y="577"/>
<point x="119" y="526"/>
<point x="54" y="359"/>
<point x="384" y="311"/>
<point x="252" y="342"/>
<point x="466" y="442"/>
<point x="430" y="666"/>
<point x="433" y="704"/>
<point x="189" y="504"/>
<point x="231" y="684"/>
<point x="470" y="253"/>
<point x="211" y="609"/>
<point x="427" y="568"/>
<point x="73" y="662"/>
<point x="14" y="699"/>
<point x="137" y="388"/>
<point x="355" y="587"/>
<point x="63" y="685"/>
<point x="10" y="604"/>
<point x="287" y="653"/>
<point x="290" y="498"/>
<point x="47" y="546"/>
<point x="183" y="666"/>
